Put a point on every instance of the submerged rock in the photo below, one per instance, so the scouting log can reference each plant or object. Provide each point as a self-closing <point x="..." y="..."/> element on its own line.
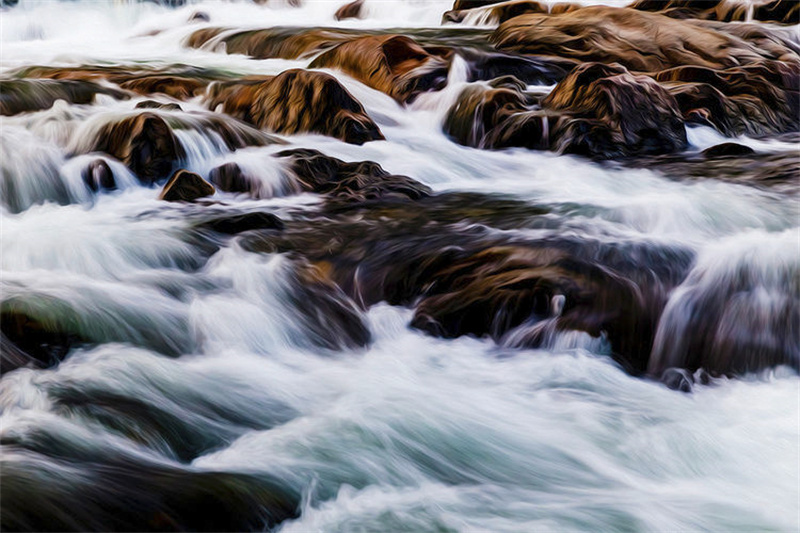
<point x="238" y="223"/>
<point x="20" y="96"/>
<point x="393" y="64"/>
<point x="152" y="104"/>
<point x="297" y="101"/>
<point x="230" y="178"/>
<point x="27" y="341"/>
<point x="352" y="182"/>
<point x="98" y="176"/>
<point x="185" y="186"/>
<point x="728" y="150"/>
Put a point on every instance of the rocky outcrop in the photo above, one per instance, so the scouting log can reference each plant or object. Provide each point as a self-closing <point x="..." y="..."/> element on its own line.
<point x="144" y="143"/>
<point x="24" y="95"/>
<point x="755" y="100"/>
<point x="296" y="101"/>
<point x="598" y="110"/>
<point x="639" y="40"/>
<point x="780" y="11"/>
<point x="185" y="186"/>
<point x="465" y="279"/>
<point x="351" y="182"/>
<point x="393" y="64"/>
<point x="615" y="113"/>
<point x="283" y="43"/>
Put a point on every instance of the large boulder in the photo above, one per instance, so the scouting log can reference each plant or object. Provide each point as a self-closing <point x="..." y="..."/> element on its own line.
<point x="297" y="101"/>
<point x="755" y="99"/>
<point x="185" y="186"/>
<point x="639" y="40"/>
<point x="144" y="142"/>
<point x="393" y="64"/>
<point x="615" y="113"/>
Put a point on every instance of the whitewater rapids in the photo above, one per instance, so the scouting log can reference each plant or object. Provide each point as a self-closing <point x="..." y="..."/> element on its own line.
<point x="203" y="365"/>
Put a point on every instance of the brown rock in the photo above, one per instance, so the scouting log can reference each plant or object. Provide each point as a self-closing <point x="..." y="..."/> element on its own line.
<point x="185" y="186"/>
<point x="20" y="96"/>
<point x="349" y="11"/>
<point x="393" y="64"/>
<point x="638" y="40"/>
<point x="144" y="142"/>
<point x="297" y="101"/>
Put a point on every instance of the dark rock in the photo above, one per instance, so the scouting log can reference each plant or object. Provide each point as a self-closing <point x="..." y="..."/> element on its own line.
<point x="489" y="65"/>
<point x="200" y="16"/>
<point x="728" y="150"/>
<point x="185" y="186"/>
<point x="283" y="43"/>
<point x="230" y="178"/>
<point x="496" y="118"/>
<point x="20" y="96"/>
<point x="144" y="142"/>
<point x="678" y="379"/>
<point x="243" y="222"/>
<point x="614" y="113"/>
<point x="27" y="341"/>
<point x="352" y="182"/>
<point x="152" y="104"/>
<point x="297" y="101"/>
<point x="98" y="176"/>
<point x="756" y="99"/>
<point x="467" y="279"/>
<point x="393" y="64"/>
<point x="349" y="11"/>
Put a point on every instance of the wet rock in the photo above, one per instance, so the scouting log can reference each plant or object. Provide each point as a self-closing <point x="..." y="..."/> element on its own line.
<point x="98" y="176"/>
<point x="678" y="379"/>
<point x="124" y="491"/>
<point x="21" y="96"/>
<point x="615" y="113"/>
<point x="283" y="43"/>
<point x="393" y="64"/>
<point x="489" y="65"/>
<point x="297" y="101"/>
<point x="639" y="40"/>
<point x="31" y="342"/>
<point x="352" y="182"/>
<point x="230" y="178"/>
<point x="464" y="278"/>
<point x="781" y="11"/>
<point x="177" y="87"/>
<point x="243" y="222"/>
<point x="733" y="314"/>
<point x="12" y="357"/>
<point x="496" y="118"/>
<point x="757" y="99"/>
<point x="200" y="16"/>
<point x="728" y="150"/>
<point x="144" y="142"/>
<point x="349" y="11"/>
<point x="331" y="318"/>
<point x="496" y="13"/>
<point x="778" y="172"/>
<point x="185" y="186"/>
<point x="459" y="5"/>
<point x="152" y="104"/>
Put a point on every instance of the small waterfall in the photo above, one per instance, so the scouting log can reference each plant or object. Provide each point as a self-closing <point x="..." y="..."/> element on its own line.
<point x="738" y="310"/>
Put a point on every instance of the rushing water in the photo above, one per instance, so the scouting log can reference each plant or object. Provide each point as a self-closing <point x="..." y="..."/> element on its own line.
<point x="413" y="433"/>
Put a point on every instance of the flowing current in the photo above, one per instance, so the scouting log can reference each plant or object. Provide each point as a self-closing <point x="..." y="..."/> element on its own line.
<point x="204" y="381"/>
